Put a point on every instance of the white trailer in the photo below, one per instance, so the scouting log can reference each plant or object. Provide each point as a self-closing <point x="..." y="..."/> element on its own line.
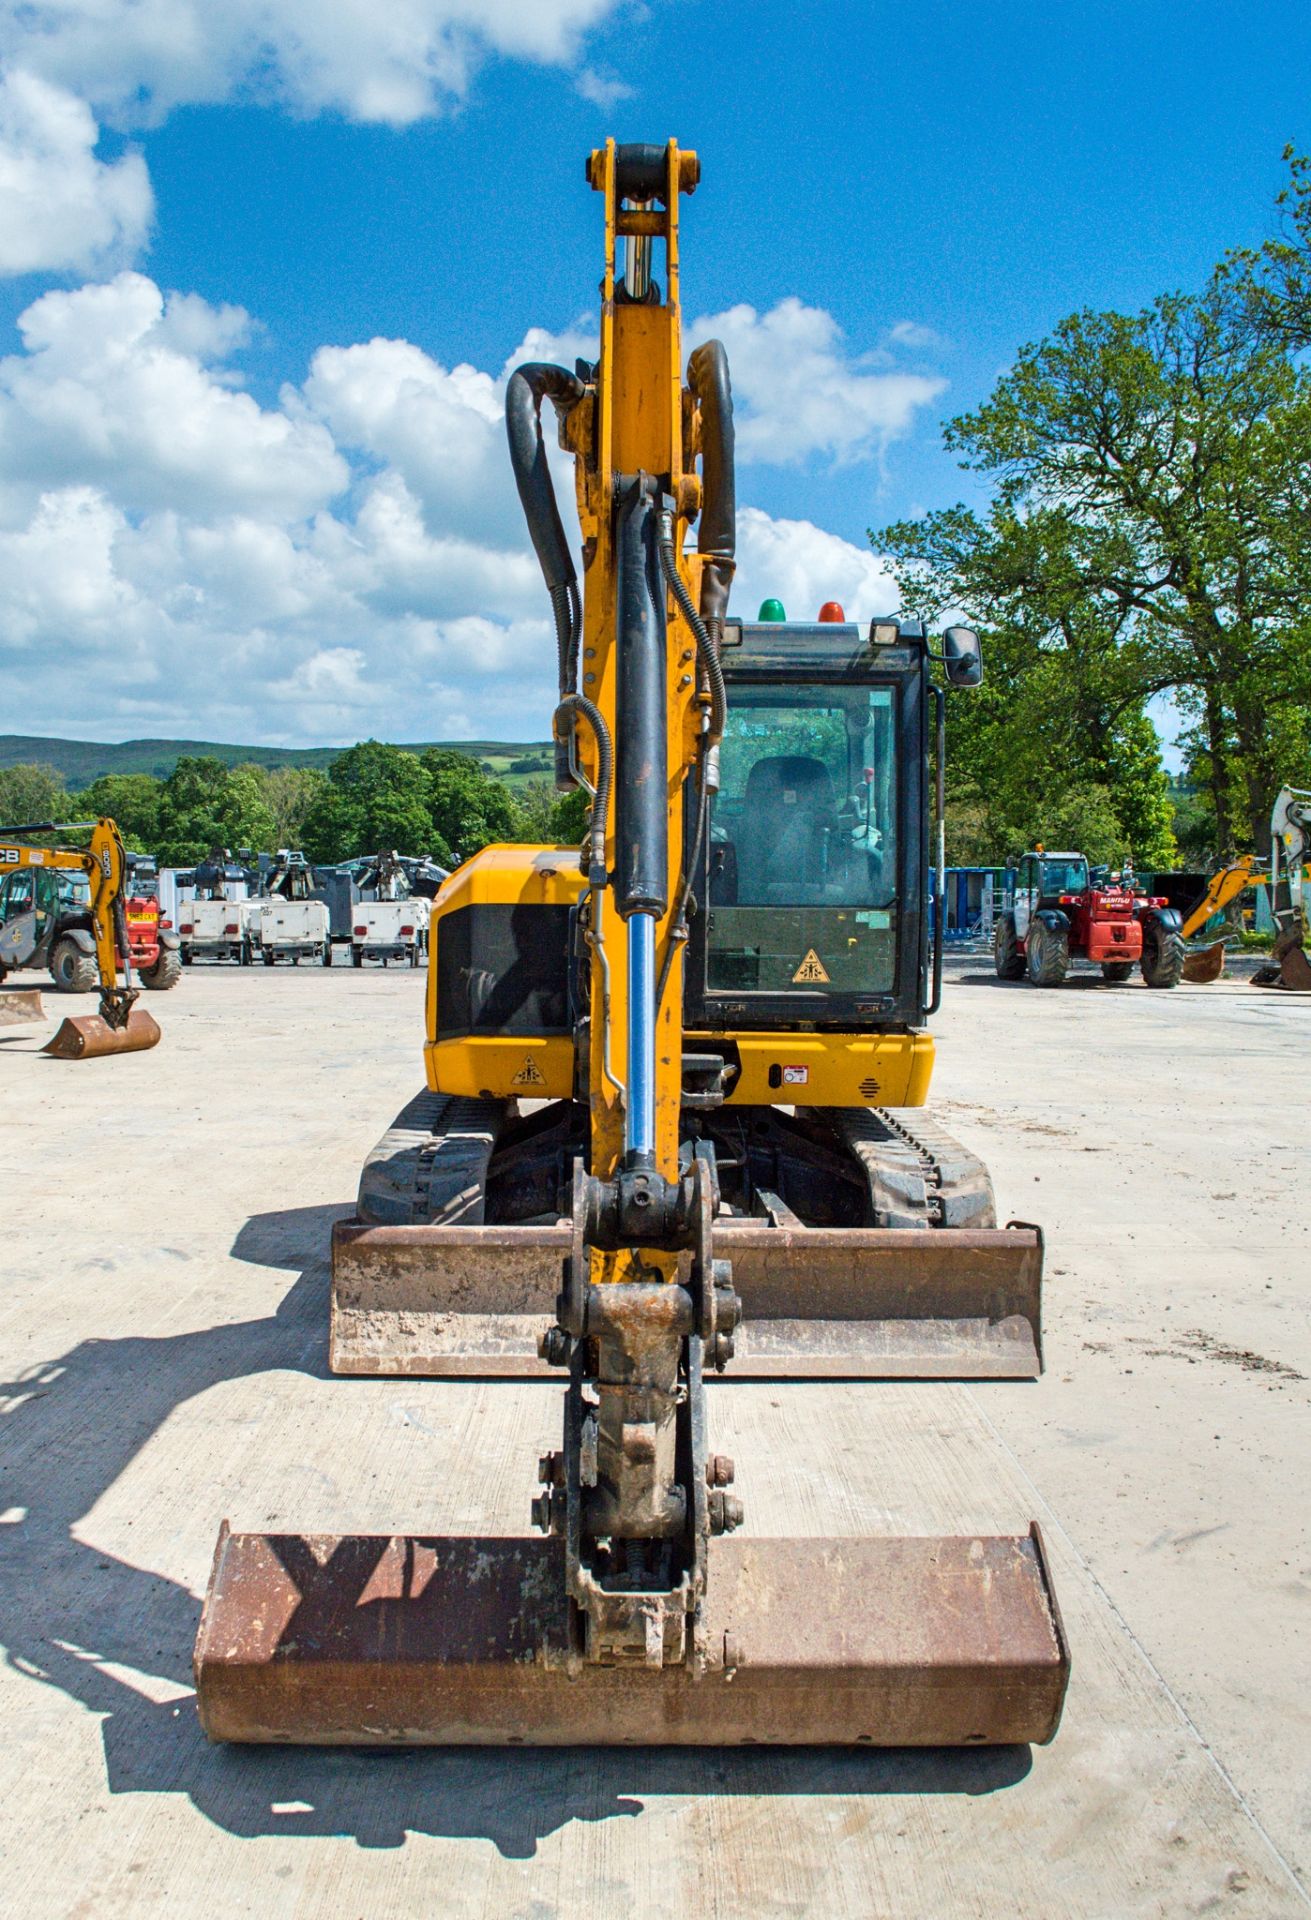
<point x="219" y="930"/>
<point x="294" y="930"/>
<point x="389" y="930"/>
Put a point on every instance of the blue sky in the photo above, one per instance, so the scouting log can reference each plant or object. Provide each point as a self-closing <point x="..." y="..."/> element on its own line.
<point x="230" y="515"/>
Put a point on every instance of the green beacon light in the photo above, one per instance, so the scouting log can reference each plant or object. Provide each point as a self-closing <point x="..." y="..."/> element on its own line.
<point x="771" y="610"/>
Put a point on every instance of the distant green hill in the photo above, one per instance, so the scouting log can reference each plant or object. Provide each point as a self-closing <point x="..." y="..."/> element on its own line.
<point x="82" y="761"/>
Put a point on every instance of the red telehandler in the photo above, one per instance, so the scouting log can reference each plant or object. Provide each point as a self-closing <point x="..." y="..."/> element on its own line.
<point x="1053" y="913"/>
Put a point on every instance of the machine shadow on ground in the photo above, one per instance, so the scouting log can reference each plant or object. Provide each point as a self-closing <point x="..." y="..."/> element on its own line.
<point x="117" y="1638"/>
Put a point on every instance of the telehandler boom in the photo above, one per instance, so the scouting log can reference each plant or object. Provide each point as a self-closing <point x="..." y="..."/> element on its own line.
<point x="653" y="1145"/>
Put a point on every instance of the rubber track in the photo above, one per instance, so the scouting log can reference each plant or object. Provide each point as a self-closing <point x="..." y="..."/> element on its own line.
<point x="431" y="1164"/>
<point x="919" y="1176"/>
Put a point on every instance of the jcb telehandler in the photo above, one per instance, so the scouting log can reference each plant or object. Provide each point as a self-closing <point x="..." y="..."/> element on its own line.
<point x="671" y="1128"/>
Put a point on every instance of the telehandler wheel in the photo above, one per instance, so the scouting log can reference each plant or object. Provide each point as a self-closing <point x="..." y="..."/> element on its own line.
<point x="1163" y="957"/>
<point x="1006" y="956"/>
<point x="72" y="970"/>
<point x="165" y="973"/>
<point x="1047" y="955"/>
<point x="1116" y="969"/>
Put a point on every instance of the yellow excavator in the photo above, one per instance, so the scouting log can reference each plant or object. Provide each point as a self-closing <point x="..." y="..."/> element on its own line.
<point x="1290" y="847"/>
<point x="120" y="1026"/>
<point x="672" y="1126"/>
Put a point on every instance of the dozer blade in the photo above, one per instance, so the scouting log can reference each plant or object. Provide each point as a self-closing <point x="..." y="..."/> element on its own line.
<point x="819" y="1302"/>
<point x="19" y="1006"/>
<point x="1205" y="965"/>
<point x="365" y="1640"/>
<point x="88" y="1035"/>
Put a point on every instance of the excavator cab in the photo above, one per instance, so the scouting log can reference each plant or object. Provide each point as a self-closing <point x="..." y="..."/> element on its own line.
<point x="810" y="905"/>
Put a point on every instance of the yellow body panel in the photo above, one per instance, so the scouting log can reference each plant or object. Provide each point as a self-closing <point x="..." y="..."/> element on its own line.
<point x="842" y="1069"/>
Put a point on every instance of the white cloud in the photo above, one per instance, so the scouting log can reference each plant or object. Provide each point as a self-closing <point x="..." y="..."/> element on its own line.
<point x="176" y="559"/>
<point x="803" y="566"/>
<point x="105" y="395"/>
<point x="135" y="60"/>
<point x="60" y="207"/>
<point x="798" y="393"/>
<point x="602" y="89"/>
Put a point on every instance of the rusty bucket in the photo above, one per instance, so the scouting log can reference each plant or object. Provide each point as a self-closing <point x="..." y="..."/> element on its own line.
<point x="410" y="1641"/>
<point x="1205" y="964"/>
<point x="88" y="1036"/>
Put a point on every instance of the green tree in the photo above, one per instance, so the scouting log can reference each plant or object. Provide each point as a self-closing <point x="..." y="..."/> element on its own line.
<point x="130" y="799"/>
<point x="1149" y="524"/>
<point x="1269" y="287"/>
<point x="30" y="792"/>
<point x="376" y="797"/>
<point x="547" y="818"/>
<point x="204" y="804"/>
<point x="291" y="795"/>
<point x="470" y="809"/>
<point x="1060" y="713"/>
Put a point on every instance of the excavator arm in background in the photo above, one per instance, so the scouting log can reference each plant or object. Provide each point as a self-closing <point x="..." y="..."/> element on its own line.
<point x="120" y="1025"/>
<point x="1290" y="848"/>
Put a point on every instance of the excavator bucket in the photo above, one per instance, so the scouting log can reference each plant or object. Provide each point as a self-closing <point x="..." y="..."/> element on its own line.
<point x="1295" y="969"/>
<point x="1205" y="965"/>
<point x="366" y="1640"/>
<point x="88" y="1036"/>
<point x="19" y="1006"/>
<point x="819" y="1303"/>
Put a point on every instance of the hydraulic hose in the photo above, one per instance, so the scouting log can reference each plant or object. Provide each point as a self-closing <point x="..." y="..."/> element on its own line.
<point x="707" y="375"/>
<point x="577" y="703"/>
<point x="707" y="652"/>
<point x="678" y="925"/>
<point x="529" y="385"/>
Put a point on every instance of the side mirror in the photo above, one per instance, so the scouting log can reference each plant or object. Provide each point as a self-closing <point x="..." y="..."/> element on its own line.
<point x="962" y="657"/>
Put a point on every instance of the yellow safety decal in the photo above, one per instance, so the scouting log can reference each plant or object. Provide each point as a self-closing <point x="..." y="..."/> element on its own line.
<point x="811" y="972"/>
<point x="529" y="1075"/>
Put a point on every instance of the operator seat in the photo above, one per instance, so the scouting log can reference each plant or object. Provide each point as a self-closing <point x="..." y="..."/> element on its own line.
<point x="787" y="807"/>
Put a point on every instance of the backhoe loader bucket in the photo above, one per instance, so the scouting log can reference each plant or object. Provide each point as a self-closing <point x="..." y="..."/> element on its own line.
<point x="89" y="1035"/>
<point x="1205" y="965"/>
<point x="365" y="1640"/>
<point x="19" y="1006"/>
<point x="819" y="1303"/>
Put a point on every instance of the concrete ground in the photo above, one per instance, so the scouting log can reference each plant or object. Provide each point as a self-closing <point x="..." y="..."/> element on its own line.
<point x="163" y="1321"/>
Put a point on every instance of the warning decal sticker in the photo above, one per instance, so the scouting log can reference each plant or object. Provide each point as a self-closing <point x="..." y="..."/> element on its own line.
<point x="811" y="972"/>
<point x="529" y="1075"/>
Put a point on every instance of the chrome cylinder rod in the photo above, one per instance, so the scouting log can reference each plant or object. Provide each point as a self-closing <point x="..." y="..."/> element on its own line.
<point x="639" y="1114"/>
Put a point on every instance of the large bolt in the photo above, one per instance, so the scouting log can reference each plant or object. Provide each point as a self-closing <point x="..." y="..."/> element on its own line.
<point x="553" y="1347"/>
<point x="719" y="1470"/>
<point x="550" y="1470"/>
<point x="721" y="1351"/>
<point x="541" y="1512"/>
<point x="726" y="1512"/>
